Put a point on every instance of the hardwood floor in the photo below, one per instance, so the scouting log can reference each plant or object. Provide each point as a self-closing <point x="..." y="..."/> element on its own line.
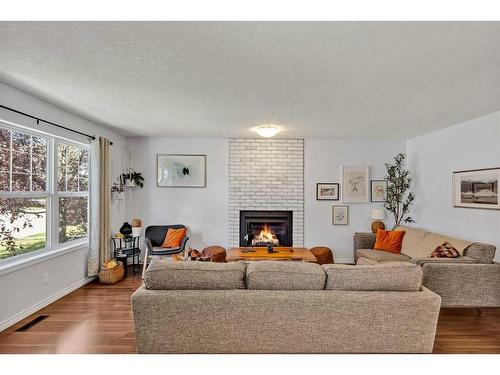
<point x="98" y="319"/>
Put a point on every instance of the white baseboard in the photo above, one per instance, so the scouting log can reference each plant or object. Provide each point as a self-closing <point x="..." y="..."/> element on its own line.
<point x="40" y="305"/>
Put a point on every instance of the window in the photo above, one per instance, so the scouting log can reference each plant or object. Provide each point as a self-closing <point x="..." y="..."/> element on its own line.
<point x="72" y="187"/>
<point x="41" y="207"/>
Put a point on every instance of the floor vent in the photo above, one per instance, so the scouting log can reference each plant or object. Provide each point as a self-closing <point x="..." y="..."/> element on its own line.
<point x="32" y="323"/>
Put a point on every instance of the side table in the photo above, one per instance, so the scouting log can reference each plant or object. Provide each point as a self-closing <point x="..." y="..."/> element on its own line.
<point x="126" y="247"/>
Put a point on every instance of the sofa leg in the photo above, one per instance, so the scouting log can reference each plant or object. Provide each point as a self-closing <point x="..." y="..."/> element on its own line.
<point x="479" y="312"/>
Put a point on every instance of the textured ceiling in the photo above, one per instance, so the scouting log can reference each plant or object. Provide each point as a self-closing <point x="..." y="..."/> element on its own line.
<point x="212" y="79"/>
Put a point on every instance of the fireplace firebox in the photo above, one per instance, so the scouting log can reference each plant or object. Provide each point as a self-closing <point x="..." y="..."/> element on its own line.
<point x="263" y="228"/>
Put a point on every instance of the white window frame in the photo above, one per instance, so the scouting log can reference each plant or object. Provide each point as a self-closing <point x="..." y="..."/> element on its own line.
<point x="67" y="194"/>
<point x="51" y="194"/>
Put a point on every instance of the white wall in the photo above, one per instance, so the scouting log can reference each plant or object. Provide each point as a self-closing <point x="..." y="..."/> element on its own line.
<point x="434" y="157"/>
<point x="22" y="290"/>
<point x="204" y="210"/>
<point x="323" y="163"/>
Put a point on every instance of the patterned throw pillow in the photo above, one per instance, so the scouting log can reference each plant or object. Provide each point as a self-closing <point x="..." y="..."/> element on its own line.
<point x="445" y="250"/>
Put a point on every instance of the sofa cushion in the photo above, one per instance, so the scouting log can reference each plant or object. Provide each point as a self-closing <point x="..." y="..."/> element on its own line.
<point x="162" y="274"/>
<point x="364" y="261"/>
<point x="433" y="240"/>
<point x="389" y="276"/>
<point x="273" y="275"/>
<point x="381" y="256"/>
<point x="419" y="243"/>
<point x="412" y="242"/>
<point x="459" y="260"/>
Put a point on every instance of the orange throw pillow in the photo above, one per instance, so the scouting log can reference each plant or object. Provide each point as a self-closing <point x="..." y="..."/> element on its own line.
<point x="389" y="240"/>
<point x="174" y="237"/>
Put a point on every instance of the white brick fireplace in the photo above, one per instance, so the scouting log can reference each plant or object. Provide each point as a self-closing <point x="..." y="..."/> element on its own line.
<point x="266" y="174"/>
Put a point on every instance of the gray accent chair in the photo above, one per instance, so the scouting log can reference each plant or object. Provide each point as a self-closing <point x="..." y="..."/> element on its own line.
<point x="154" y="237"/>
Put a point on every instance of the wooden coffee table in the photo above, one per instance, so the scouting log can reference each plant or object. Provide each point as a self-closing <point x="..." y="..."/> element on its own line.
<point x="283" y="253"/>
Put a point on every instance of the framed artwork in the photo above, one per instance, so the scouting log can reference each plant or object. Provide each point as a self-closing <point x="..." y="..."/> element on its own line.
<point x="378" y="190"/>
<point x="181" y="170"/>
<point x="327" y="191"/>
<point x="355" y="183"/>
<point x="340" y="215"/>
<point x="477" y="188"/>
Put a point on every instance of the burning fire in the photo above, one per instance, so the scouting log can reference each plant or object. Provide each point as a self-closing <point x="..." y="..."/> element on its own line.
<point x="265" y="237"/>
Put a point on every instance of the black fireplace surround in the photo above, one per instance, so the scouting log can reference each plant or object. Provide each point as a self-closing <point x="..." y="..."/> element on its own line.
<point x="279" y="222"/>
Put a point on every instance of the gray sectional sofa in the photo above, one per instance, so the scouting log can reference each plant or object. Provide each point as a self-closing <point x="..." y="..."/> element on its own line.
<point x="471" y="280"/>
<point x="284" y="307"/>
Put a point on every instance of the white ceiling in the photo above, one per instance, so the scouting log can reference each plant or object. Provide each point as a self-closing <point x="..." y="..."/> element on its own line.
<point x="213" y="79"/>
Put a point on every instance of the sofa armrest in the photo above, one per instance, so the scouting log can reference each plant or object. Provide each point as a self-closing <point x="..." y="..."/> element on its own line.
<point x="363" y="241"/>
<point x="481" y="252"/>
<point x="183" y="243"/>
<point x="464" y="285"/>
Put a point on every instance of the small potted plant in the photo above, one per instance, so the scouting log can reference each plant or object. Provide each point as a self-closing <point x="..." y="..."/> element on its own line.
<point x="133" y="179"/>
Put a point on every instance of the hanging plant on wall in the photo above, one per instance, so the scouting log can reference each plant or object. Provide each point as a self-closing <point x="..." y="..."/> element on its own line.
<point x="133" y="179"/>
<point x="399" y="197"/>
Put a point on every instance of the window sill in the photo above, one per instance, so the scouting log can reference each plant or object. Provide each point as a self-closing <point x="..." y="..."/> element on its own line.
<point x="19" y="264"/>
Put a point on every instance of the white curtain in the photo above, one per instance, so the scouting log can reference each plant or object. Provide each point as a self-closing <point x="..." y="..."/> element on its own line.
<point x="100" y="201"/>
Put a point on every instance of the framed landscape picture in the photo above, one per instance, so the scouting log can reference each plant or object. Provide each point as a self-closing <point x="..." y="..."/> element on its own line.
<point x="340" y="215"/>
<point x="355" y="183"/>
<point x="378" y="190"/>
<point x="181" y="170"/>
<point x="477" y="188"/>
<point x="327" y="191"/>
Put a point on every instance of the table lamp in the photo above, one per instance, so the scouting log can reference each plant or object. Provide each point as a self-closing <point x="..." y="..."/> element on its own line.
<point x="377" y="214"/>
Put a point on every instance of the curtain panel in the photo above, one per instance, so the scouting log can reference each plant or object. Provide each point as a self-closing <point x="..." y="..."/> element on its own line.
<point x="100" y="206"/>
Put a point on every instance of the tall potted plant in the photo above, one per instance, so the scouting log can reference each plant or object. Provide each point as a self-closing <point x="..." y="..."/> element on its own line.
<point x="399" y="197"/>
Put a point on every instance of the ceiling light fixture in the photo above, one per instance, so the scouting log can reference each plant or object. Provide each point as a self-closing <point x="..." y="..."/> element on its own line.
<point x="267" y="131"/>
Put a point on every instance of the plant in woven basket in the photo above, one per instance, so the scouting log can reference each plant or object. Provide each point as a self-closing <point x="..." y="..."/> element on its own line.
<point x="399" y="197"/>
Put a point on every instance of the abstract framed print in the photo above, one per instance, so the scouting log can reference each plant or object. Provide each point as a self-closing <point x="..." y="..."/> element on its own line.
<point x="327" y="191"/>
<point x="378" y="190"/>
<point x="355" y="183"/>
<point x="476" y="188"/>
<point x="181" y="170"/>
<point x="340" y="215"/>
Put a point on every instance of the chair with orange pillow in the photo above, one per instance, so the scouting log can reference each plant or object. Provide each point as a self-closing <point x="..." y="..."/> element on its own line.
<point x="164" y="241"/>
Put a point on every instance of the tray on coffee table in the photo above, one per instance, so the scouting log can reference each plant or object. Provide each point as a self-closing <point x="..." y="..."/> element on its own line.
<point x="281" y="253"/>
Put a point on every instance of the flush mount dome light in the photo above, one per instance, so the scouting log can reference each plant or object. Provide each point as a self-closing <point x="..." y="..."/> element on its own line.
<point x="267" y="131"/>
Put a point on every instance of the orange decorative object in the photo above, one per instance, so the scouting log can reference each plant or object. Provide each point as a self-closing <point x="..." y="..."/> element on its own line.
<point x="376" y="225"/>
<point x="174" y="237"/>
<point x="323" y="254"/>
<point x="390" y="241"/>
<point x="111" y="264"/>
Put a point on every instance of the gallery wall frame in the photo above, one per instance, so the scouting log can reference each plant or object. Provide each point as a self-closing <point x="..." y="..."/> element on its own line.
<point x="327" y="191"/>
<point x="181" y="170"/>
<point x="476" y="188"/>
<point x="378" y="190"/>
<point x="340" y="214"/>
<point x="355" y="183"/>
